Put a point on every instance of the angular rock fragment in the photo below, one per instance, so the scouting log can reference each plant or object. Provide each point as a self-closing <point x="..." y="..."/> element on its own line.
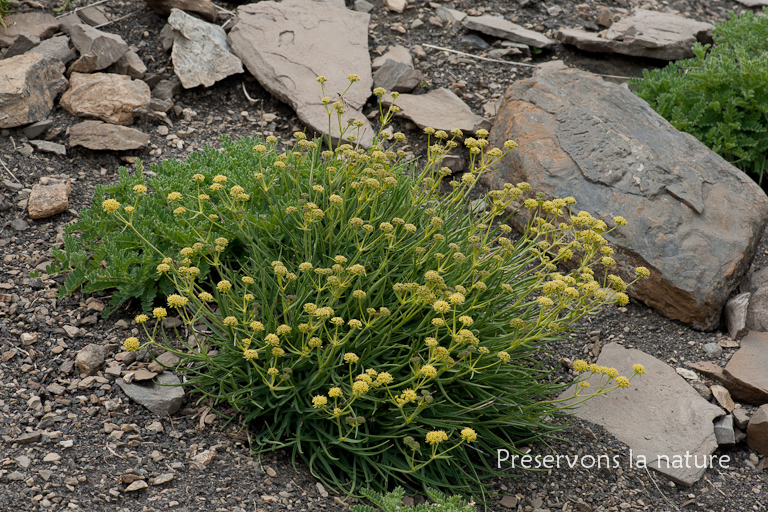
<point x="29" y="85"/>
<point x="98" y="135"/>
<point x="107" y="47"/>
<point x="162" y="396"/>
<point x="33" y="24"/>
<point x="736" y="315"/>
<point x="45" y="146"/>
<point x="57" y="47"/>
<point x="748" y="367"/>
<point x="131" y="64"/>
<point x="439" y="109"/>
<point x="505" y="29"/>
<point x="396" y="76"/>
<point x="396" y="53"/>
<point x="21" y="45"/>
<point x="757" y="431"/>
<point x="49" y="198"/>
<point x="110" y="97"/>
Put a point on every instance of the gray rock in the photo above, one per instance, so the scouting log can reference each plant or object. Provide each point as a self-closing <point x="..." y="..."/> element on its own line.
<point x="713" y="350"/>
<point x="473" y="42"/>
<point x="724" y="432"/>
<point x="757" y="431"/>
<point x="629" y="161"/>
<point x="524" y="48"/>
<point x="201" y="54"/>
<point x="439" y="109"/>
<point x="167" y="89"/>
<point x="131" y="64"/>
<point x="90" y="358"/>
<point x="86" y="63"/>
<point x="29" y="86"/>
<point x="69" y="21"/>
<point x="753" y="3"/>
<point x="748" y="367"/>
<point x="102" y="136"/>
<point x="107" y="96"/>
<point x="162" y="396"/>
<point x="740" y="418"/>
<point x="736" y="315"/>
<point x="57" y="47"/>
<point x="93" y="15"/>
<point x="363" y="6"/>
<point x="33" y="24"/>
<point x="166" y="37"/>
<point x="396" y="76"/>
<point x="108" y="48"/>
<point x="19" y="225"/>
<point x="395" y="53"/>
<point x="449" y="15"/>
<point x="45" y="146"/>
<point x="757" y="311"/>
<point x="287" y="45"/>
<point x="659" y="414"/>
<point x="454" y="162"/>
<point x="644" y="33"/>
<point x="158" y="105"/>
<point x="499" y="27"/>
<point x="702" y="389"/>
<point x="21" y="45"/>
<point x="37" y="129"/>
<point x="753" y="280"/>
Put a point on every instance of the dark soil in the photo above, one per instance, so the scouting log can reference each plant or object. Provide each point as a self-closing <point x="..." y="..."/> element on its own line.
<point x="77" y="465"/>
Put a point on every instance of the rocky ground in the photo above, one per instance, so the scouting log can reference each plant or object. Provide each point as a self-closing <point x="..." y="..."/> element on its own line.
<point x="79" y="443"/>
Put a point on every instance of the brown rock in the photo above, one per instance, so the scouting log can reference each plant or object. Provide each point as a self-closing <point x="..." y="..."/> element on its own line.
<point x="131" y="64"/>
<point x="749" y="366"/>
<point x="739" y="391"/>
<point x="723" y="397"/>
<point x="57" y="47"/>
<point x="107" y="47"/>
<point x="21" y="44"/>
<point x="86" y="63"/>
<point x="49" y="198"/>
<point x="29" y="85"/>
<point x="757" y="431"/>
<point x="629" y="161"/>
<point x="109" y="97"/>
<point x="605" y="19"/>
<point x="90" y="358"/>
<point x="203" y="8"/>
<point x="497" y="26"/>
<point x="35" y="24"/>
<point x="757" y="311"/>
<point x="396" y="76"/>
<point x="102" y="136"/>
<point x="142" y="375"/>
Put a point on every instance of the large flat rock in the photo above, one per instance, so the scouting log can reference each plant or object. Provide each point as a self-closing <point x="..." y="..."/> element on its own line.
<point x="162" y="396"/>
<point x="440" y="109"/>
<point x="658" y="415"/>
<point x="28" y="87"/>
<point x="644" y="33"/>
<point x="107" y="96"/>
<point x="287" y="45"/>
<point x="593" y="140"/>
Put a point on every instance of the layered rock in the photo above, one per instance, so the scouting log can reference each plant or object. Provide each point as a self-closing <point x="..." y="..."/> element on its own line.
<point x="106" y="96"/>
<point x="29" y="85"/>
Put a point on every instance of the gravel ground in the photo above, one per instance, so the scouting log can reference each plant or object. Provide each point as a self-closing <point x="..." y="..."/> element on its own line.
<point x="80" y="444"/>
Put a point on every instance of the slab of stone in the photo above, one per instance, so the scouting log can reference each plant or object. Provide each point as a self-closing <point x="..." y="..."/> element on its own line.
<point x="757" y="310"/>
<point x="449" y="15"/>
<point x="131" y="64"/>
<point x="98" y="135"/>
<point x="396" y="76"/>
<point x="167" y="89"/>
<point x="107" y="47"/>
<point x="35" y="130"/>
<point x="594" y="140"/>
<point x="33" y="24"/>
<point x="740" y="391"/>
<point x="439" y="109"/>
<point x="397" y="6"/>
<point x="644" y="33"/>
<point x="201" y="54"/>
<point x="724" y="432"/>
<point x="659" y="414"/>
<point x="363" y="6"/>
<point x="166" y="37"/>
<point x="45" y="146"/>
<point x="21" y="45"/>
<point x="57" y="47"/>
<point x="49" y="198"/>
<point x="28" y="88"/>
<point x="749" y="365"/>
<point x="203" y="8"/>
<point x="757" y="431"/>
<point x="396" y="53"/>
<point x="740" y="418"/>
<point x="107" y="96"/>
<point x="162" y="396"/>
<point x="736" y="315"/>
<point x="93" y="15"/>
<point x="287" y="45"/>
<point x="499" y="27"/>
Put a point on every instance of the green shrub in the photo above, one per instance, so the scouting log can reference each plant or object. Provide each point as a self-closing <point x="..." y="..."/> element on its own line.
<point x="5" y="10"/>
<point x="393" y="502"/>
<point x="374" y="326"/>
<point x="720" y="95"/>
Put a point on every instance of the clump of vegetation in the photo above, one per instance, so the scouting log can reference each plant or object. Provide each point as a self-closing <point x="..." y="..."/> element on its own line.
<point x="361" y="319"/>
<point x="393" y="502"/>
<point x="720" y="95"/>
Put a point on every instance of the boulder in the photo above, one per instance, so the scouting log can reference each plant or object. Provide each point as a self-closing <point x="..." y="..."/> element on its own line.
<point x="652" y="34"/>
<point x="203" y="8"/>
<point x="201" y="54"/>
<point x="108" y="48"/>
<point x="28" y="88"/>
<point x="659" y="414"/>
<point x="106" y="96"/>
<point x="162" y="396"/>
<point x="32" y="24"/>
<point x="439" y="109"/>
<point x="593" y="140"/>
<point x="396" y="76"/>
<point x="48" y="198"/>
<point x="757" y="431"/>
<point x="499" y="27"/>
<point x="287" y="45"/>
<point x="57" y="47"/>
<point x="102" y="136"/>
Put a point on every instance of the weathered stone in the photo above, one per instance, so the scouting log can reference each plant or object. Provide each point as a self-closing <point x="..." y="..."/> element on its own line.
<point x="740" y="418"/>
<point x="396" y="76"/>
<point x="749" y="365"/>
<point x="35" y="130"/>
<point x="753" y="3"/>
<point x="90" y="358"/>
<point x="439" y="109"/>
<point x="363" y="6"/>
<point x="736" y="315"/>
<point x="29" y="86"/>
<point x="106" y="96"/>
<point x="740" y="391"/>
<point x="287" y="45"/>
<point x="659" y="414"/>
<point x="757" y="311"/>
<point x="57" y="47"/>
<point x="93" y="15"/>
<point x="396" y="53"/>
<point x="86" y="63"/>
<point x="131" y="64"/>
<point x="713" y="350"/>
<point x="723" y="397"/>
<point x="449" y="15"/>
<point x="69" y="21"/>
<point x="757" y="431"/>
<point x="166" y="37"/>
<point x="21" y="45"/>
<point x="201" y="54"/>
<point x="397" y="6"/>
<point x="162" y="396"/>
<point x="626" y="160"/>
<point x="204" y="8"/>
<point x="103" y="136"/>
<point x="724" y="432"/>
<point x="107" y="47"/>
<point x="505" y="29"/>
<point x="49" y="199"/>
<point x="167" y="89"/>
<point x="754" y="280"/>
<point x="644" y="33"/>
<point x="34" y="24"/>
<point x="45" y="146"/>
